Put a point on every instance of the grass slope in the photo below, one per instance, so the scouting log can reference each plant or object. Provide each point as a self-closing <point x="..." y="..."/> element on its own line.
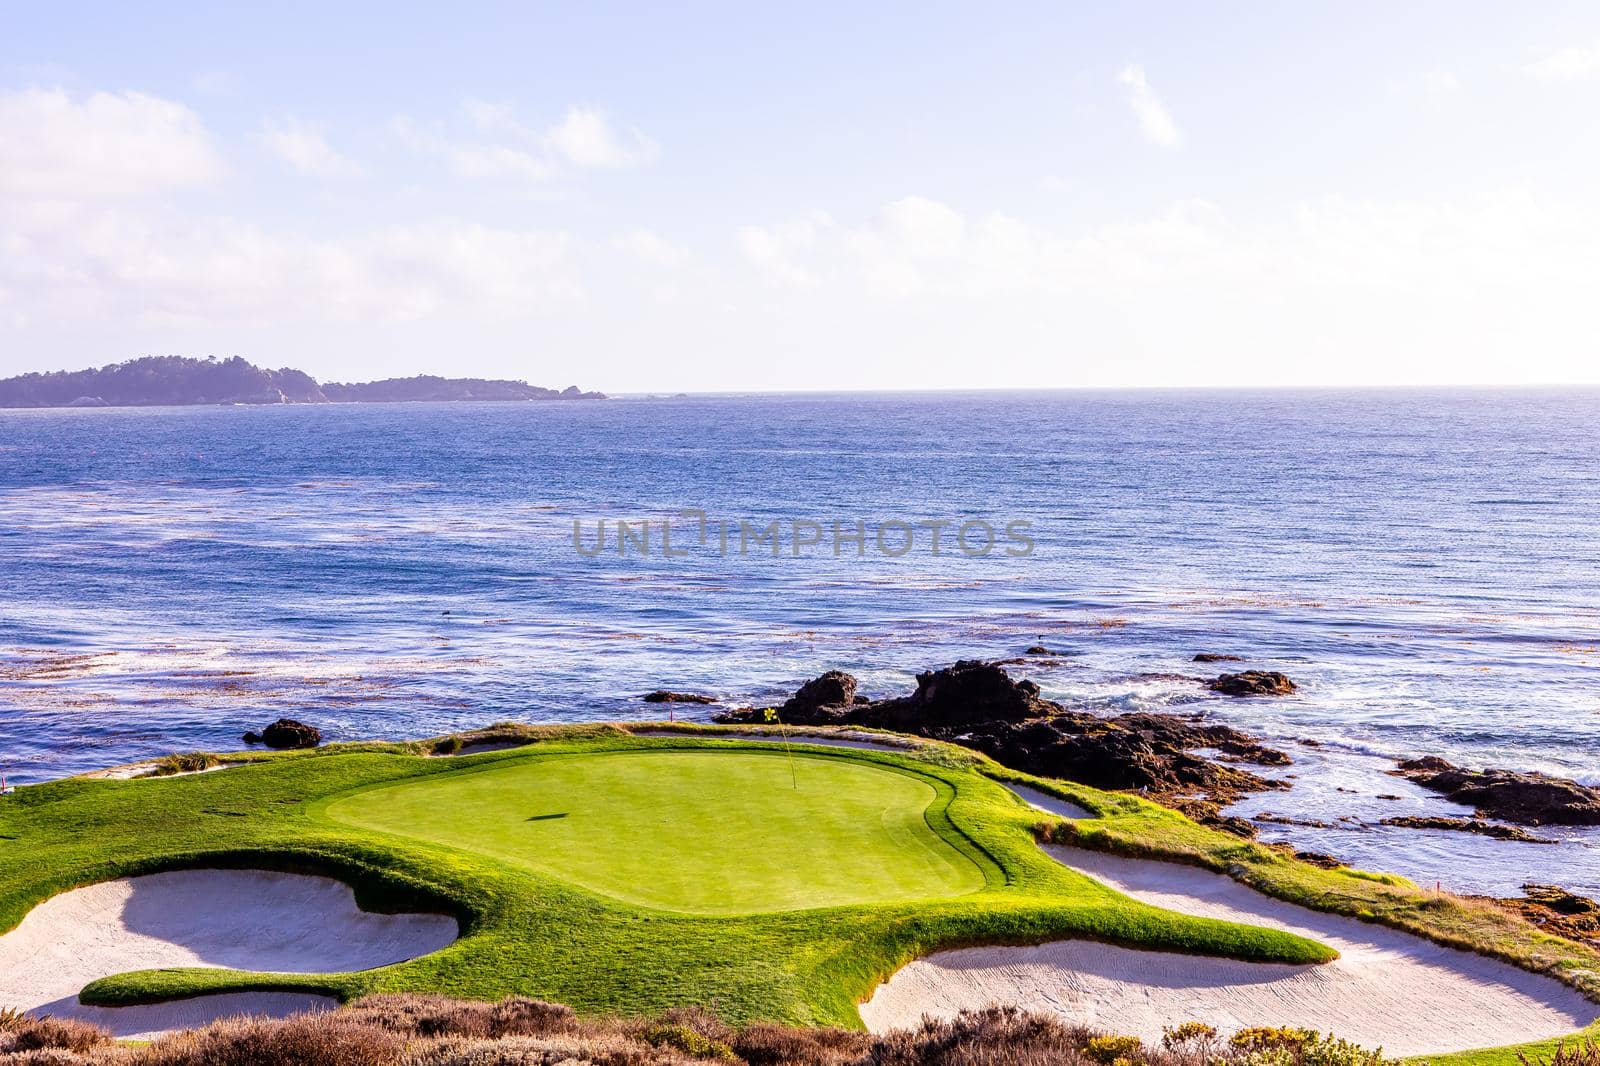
<point x="694" y="832"/>
<point x="529" y="931"/>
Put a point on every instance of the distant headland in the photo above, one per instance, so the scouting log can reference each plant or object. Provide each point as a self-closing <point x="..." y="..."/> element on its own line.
<point x="173" y="380"/>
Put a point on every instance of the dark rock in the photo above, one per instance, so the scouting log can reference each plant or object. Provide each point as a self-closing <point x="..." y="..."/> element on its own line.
<point x="979" y="705"/>
<point x="1284" y="819"/>
<point x="1509" y="795"/>
<point x="1253" y="683"/>
<point x="286" y="733"/>
<point x="1467" y="825"/>
<point x="1381" y="795"/>
<point x="1211" y="657"/>
<point x="1319" y="858"/>
<point x="1040" y="649"/>
<point x="1555" y="910"/>
<point x="664" y="696"/>
<point x="820" y="698"/>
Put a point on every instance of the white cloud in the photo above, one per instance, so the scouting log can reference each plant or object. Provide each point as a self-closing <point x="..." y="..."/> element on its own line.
<point x="778" y="249"/>
<point x="649" y="247"/>
<point x="917" y="248"/>
<point x="497" y="144"/>
<point x="1332" y="290"/>
<point x="75" y="263"/>
<point x="473" y="159"/>
<point x="1440" y="83"/>
<point x="305" y="148"/>
<point x="103" y="146"/>
<point x="1567" y="64"/>
<point x="1155" y="122"/>
<point x="586" y="138"/>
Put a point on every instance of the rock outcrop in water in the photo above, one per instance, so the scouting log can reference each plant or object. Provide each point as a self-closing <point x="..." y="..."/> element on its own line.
<point x="1509" y="795"/>
<point x="1555" y="910"/>
<point x="171" y="380"/>
<point x="1253" y="683"/>
<point x="662" y="695"/>
<point x="286" y="733"/>
<point x="1467" y="825"/>
<point x="979" y="705"/>
<point x="834" y="689"/>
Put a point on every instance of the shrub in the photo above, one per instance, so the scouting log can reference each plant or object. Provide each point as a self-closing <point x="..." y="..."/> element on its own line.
<point x="1187" y="1033"/>
<point x="1584" y="1053"/>
<point x="999" y="1036"/>
<point x="64" y="1034"/>
<point x="426" y="1030"/>
<point x="191" y="762"/>
<point x="47" y="1057"/>
<point x="1108" y="1049"/>
<point x="682" y="1038"/>
<point x="306" y="1040"/>
<point x="1263" y="1037"/>
<point x="779" y="1045"/>
<point x="447" y="746"/>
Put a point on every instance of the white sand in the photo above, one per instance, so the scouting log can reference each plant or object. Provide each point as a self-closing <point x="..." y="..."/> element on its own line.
<point x="237" y="919"/>
<point x="1050" y="804"/>
<point x="1388" y="989"/>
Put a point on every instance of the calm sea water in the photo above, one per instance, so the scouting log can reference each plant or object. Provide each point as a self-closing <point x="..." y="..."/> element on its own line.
<point x="1424" y="563"/>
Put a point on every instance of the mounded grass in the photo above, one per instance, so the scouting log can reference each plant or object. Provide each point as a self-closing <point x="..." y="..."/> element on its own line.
<point x="695" y="832"/>
<point x="563" y="931"/>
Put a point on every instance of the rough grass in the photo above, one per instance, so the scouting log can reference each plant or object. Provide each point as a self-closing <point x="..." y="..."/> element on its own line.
<point x="191" y="762"/>
<point x="529" y="932"/>
<point x="1579" y="1049"/>
<point x="434" y="1031"/>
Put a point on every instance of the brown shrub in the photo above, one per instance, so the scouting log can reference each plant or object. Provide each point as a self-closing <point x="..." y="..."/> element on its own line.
<point x="53" y="1056"/>
<point x="61" y="1034"/>
<point x="434" y="1016"/>
<point x="307" y="1040"/>
<point x="599" y="1048"/>
<point x="780" y="1045"/>
<point x="999" y="1036"/>
<point x="1583" y="1053"/>
<point x="417" y="1030"/>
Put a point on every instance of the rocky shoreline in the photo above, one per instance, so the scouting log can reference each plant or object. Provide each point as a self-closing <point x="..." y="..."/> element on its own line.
<point x="978" y="705"/>
<point x="1178" y="760"/>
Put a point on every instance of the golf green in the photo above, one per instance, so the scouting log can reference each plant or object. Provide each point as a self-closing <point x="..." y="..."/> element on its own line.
<point x="701" y="832"/>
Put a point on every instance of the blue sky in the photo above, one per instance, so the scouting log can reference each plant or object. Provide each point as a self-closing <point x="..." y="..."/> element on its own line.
<point x="735" y="196"/>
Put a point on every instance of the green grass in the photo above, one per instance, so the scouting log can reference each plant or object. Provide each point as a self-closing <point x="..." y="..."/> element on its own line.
<point x="1536" y="1052"/>
<point x="695" y="832"/>
<point x="570" y="931"/>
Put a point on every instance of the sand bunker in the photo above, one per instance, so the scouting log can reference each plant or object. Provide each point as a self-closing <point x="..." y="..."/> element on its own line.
<point x="1390" y="990"/>
<point x="236" y="919"/>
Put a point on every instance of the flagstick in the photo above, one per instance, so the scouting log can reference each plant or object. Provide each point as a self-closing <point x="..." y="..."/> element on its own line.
<point x="784" y="730"/>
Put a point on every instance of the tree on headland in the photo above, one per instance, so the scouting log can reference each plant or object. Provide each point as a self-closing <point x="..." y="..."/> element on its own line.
<point x="173" y="380"/>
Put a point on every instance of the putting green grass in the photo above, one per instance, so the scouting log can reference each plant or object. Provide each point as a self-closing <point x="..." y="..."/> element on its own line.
<point x="722" y="832"/>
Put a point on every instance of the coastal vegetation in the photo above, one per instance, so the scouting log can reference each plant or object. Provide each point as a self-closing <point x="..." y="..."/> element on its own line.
<point x="172" y="380"/>
<point x="434" y="1031"/>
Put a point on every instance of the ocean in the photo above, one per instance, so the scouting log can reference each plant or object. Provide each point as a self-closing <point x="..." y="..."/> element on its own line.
<point x="1423" y="563"/>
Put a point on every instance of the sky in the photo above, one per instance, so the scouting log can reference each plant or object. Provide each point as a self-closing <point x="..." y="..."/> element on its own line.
<point x="736" y="197"/>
